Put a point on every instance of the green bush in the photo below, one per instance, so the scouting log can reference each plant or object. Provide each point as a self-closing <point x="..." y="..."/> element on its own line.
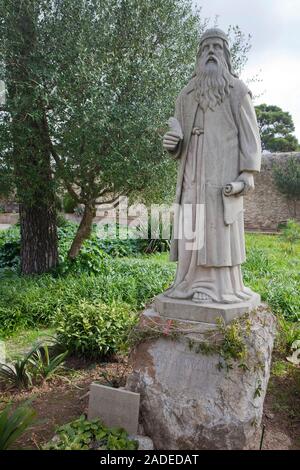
<point x="291" y="233"/>
<point x="10" y="248"/>
<point x="93" y="329"/>
<point x="89" y="259"/>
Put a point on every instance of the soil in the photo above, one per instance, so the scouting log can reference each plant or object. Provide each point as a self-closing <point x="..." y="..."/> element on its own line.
<point x="65" y="398"/>
<point x="282" y="412"/>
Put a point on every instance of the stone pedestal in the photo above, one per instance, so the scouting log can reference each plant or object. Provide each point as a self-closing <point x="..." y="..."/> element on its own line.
<point x="207" y="313"/>
<point x="202" y="386"/>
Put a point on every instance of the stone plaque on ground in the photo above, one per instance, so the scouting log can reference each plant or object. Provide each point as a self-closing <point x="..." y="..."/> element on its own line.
<point x="115" y="407"/>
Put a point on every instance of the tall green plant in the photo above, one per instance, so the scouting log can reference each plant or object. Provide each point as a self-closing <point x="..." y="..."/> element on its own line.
<point x="287" y="179"/>
<point x="14" y="423"/>
<point x="291" y="234"/>
<point x="36" y="366"/>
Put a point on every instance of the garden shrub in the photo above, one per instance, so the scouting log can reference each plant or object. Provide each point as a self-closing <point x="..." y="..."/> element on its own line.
<point x="90" y="256"/>
<point x="93" y="329"/>
<point x="10" y="247"/>
<point x="291" y="233"/>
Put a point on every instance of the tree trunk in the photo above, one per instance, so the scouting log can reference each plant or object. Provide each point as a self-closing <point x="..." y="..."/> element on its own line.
<point x="31" y="153"/>
<point x="38" y="239"/>
<point x="84" y="229"/>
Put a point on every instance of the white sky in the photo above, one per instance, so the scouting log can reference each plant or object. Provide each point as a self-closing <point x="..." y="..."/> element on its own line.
<point x="275" y="54"/>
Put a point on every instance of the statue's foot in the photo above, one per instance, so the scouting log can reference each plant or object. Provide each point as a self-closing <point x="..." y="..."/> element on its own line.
<point x="243" y="295"/>
<point x="230" y="299"/>
<point x="201" y="298"/>
<point x="248" y="291"/>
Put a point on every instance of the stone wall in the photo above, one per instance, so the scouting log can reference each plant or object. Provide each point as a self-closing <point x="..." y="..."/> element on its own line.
<point x="266" y="207"/>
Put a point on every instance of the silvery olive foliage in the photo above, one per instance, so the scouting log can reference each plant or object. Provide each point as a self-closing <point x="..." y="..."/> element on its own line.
<point x="106" y="75"/>
<point x="115" y="72"/>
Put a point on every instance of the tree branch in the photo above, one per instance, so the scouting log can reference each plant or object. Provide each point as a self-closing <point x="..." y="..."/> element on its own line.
<point x="57" y="160"/>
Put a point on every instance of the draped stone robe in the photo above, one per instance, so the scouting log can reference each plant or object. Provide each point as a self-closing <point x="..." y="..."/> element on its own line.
<point x="217" y="146"/>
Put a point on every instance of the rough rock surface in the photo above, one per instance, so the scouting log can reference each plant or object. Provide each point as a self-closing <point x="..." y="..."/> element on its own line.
<point x="188" y="402"/>
<point x="145" y="443"/>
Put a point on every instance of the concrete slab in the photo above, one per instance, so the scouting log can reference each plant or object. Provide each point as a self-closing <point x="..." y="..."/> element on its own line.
<point x="208" y="313"/>
<point x="116" y="407"/>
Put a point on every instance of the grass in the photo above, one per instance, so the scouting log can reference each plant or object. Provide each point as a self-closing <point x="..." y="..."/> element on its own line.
<point x="23" y="341"/>
<point x="26" y="303"/>
<point x="272" y="269"/>
<point x="284" y="387"/>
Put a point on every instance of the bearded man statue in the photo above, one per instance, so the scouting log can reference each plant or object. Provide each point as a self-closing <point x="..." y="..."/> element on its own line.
<point x="215" y="137"/>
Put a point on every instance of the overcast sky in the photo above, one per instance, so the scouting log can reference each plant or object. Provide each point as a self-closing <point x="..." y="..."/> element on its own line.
<point x="275" y="54"/>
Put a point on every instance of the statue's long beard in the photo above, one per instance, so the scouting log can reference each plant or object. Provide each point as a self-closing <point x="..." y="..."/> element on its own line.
<point x="212" y="85"/>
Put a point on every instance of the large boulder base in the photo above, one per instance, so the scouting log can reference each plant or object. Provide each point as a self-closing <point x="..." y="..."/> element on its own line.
<point x="191" y="398"/>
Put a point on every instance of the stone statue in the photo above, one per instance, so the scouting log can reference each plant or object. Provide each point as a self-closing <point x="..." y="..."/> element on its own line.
<point x="215" y="137"/>
<point x="189" y="398"/>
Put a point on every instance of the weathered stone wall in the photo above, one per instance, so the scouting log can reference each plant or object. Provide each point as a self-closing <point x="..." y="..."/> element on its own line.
<point x="266" y="207"/>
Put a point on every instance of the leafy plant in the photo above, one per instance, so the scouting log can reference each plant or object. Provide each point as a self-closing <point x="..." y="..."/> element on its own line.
<point x="82" y="434"/>
<point x="94" y="329"/>
<point x="258" y="263"/>
<point x="291" y="233"/>
<point x="17" y="375"/>
<point x="287" y="180"/>
<point x="288" y="334"/>
<point x="43" y="365"/>
<point x="14" y="423"/>
<point x="32" y="302"/>
<point x="10" y="247"/>
<point x="37" y="365"/>
<point x="284" y="298"/>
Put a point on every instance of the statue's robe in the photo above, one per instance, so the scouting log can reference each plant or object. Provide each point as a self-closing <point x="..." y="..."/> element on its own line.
<point x="217" y="146"/>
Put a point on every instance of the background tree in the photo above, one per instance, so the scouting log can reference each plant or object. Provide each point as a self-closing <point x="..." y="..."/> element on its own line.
<point x="276" y="128"/>
<point x="115" y="83"/>
<point x="115" y="73"/>
<point x="287" y="180"/>
<point x="26" y="148"/>
<point x="109" y="73"/>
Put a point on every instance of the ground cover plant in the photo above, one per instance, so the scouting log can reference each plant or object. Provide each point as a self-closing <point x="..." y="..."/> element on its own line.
<point x="82" y="434"/>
